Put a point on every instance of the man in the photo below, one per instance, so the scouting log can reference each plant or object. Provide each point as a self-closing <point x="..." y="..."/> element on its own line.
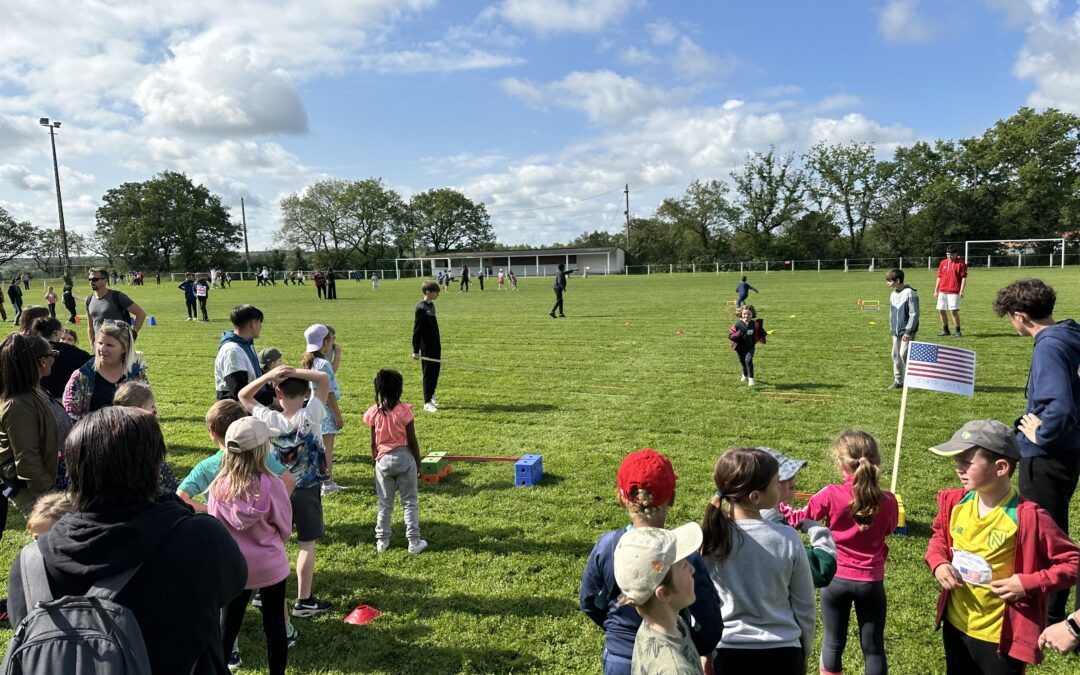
<point x="237" y="364"/>
<point x="331" y="285"/>
<point x="1048" y="432"/>
<point x="104" y="304"/>
<point x="559" y="286"/>
<point x="26" y="280"/>
<point x="951" y="282"/>
<point x="903" y="322"/>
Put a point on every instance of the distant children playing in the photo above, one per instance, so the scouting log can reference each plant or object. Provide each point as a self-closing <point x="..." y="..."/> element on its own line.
<point x="996" y="555"/>
<point x="742" y="291"/>
<point x="396" y="453"/>
<point x="646" y="491"/>
<point x="323" y="353"/>
<point x="50" y="300"/>
<point x="295" y="433"/>
<point x="188" y="287"/>
<point x="861" y="515"/>
<point x="202" y="292"/>
<point x="903" y="322"/>
<point x="253" y="505"/>
<point x="744" y="334"/>
<point x="760" y="571"/>
<point x="426" y="343"/>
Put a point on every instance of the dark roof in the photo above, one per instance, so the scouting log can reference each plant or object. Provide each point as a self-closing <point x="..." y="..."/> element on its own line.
<point x="525" y="251"/>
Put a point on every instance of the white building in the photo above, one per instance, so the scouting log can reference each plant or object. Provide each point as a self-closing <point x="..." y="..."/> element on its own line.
<point x="528" y="262"/>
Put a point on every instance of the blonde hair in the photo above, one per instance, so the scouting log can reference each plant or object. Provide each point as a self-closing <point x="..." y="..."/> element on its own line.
<point x="222" y="414"/>
<point x="639" y="503"/>
<point x="121" y="332"/>
<point x="48" y="509"/>
<point x="133" y="395"/>
<point x="856" y="452"/>
<point x="240" y="473"/>
<point x="308" y="361"/>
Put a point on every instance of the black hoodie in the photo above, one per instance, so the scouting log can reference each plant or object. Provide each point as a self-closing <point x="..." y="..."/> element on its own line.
<point x="177" y="596"/>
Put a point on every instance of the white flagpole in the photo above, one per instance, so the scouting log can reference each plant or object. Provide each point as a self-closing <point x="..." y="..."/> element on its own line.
<point x="899" y="439"/>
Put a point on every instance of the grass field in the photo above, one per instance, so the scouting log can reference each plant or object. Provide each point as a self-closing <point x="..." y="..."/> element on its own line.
<point x="497" y="590"/>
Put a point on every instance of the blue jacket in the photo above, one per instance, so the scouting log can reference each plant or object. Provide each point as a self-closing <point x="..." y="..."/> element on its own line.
<point x="600" y="594"/>
<point x="904" y="311"/>
<point x="1053" y="391"/>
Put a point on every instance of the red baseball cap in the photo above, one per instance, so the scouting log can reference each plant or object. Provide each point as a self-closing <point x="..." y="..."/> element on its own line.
<point x="650" y="470"/>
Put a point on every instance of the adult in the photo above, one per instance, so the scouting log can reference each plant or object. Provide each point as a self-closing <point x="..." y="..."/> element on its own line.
<point x="26" y="280"/>
<point x="742" y="291"/>
<point x="951" y="282"/>
<point x="93" y="385"/>
<point x="237" y="363"/>
<point x="1063" y="637"/>
<point x="320" y="283"/>
<point x="480" y="278"/>
<point x="189" y="568"/>
<point x="331" y="285"/>
<point x="1049" y="430"/>
<point x="15" y="294"/>
<point x="30" y="430"/>
<point x="464" y="286"/>
<point x="104" y="304"/>
<point x="69" y="358"/>
<point x="559" y="287"/>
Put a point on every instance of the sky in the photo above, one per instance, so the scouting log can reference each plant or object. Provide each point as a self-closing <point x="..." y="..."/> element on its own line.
<point x="541" y="109"/>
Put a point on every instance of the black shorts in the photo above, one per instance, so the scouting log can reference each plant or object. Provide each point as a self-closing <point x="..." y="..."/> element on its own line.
<point x="307" y="514"/>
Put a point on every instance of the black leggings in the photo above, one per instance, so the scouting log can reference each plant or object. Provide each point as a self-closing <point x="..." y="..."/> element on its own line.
<point x="202" y="307"/>
<point x="776" y="661"/>
<point x="558" y="301"/>
<point x="273" y="621"/>
<point x="964" y="655"/>
<point x="746" y="360"/>
<point x="191" y="312"/>
<point x="430" y="370"/>
<point x="869" y="600"/>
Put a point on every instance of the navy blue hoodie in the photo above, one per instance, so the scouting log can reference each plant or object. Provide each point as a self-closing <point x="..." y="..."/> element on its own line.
<point x="1053" y="391"/>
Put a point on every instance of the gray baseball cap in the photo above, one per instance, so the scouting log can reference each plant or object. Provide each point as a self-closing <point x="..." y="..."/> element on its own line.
<point x="788" y="466"/>
<point x="987" y="434"/>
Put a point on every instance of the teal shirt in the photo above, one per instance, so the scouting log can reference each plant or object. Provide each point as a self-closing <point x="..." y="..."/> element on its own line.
<point x="198" y="481"/>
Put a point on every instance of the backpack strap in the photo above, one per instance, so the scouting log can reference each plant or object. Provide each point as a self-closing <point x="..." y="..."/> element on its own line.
<point x="35" y="580"/>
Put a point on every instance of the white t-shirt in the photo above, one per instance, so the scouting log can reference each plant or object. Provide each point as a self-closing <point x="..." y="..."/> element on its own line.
<point x="297" y="440"/>
<point x="230" y="359"/>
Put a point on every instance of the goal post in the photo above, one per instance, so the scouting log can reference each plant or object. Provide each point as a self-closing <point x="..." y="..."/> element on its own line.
<point x="1018" y="248"/>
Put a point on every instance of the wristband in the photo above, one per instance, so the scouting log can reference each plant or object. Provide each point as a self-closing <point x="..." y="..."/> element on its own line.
<point x="1073" y="626"/>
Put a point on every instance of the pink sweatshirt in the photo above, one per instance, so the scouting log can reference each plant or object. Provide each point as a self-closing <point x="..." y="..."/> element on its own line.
<point x="860" y="554"/>
<point x="260" y="526"/>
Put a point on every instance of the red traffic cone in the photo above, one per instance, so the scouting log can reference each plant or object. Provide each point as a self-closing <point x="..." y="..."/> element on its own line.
<point x="361" y="615"/>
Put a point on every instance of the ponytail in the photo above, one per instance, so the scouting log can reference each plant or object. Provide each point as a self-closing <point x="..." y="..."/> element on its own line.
<point x="857" y="453"/>
<point x="308" y="361"/>
<point x="738" y="472"/>
<point x="717" y="529"/>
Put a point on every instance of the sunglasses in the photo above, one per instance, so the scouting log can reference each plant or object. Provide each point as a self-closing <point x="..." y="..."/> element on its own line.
<point x="52" y="352"/>
<point x="93" y="279"/>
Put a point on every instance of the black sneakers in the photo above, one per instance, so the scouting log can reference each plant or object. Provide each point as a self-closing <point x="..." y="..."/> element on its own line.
<point x="310" y="607"/>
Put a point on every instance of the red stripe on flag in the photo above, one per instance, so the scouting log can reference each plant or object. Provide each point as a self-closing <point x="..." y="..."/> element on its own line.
<point x="934" y="375"/>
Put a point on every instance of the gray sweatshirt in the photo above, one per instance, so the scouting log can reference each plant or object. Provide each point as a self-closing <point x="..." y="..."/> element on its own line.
<point x="904" y="311"/>
<point x="766" y="592"/>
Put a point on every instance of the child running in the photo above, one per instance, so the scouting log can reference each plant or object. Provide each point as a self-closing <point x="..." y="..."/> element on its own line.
<point x="646" y="491"/>
<point x="860" y="515"/>
<point x="253" y="505"/>
<point x="760" y="571"/>
<point x="397" y="460"/>
<point x="324" y="354"/>
<point x="69" y="303"/>
<point x="996" y="555"/>
<point x="744" y="336"/>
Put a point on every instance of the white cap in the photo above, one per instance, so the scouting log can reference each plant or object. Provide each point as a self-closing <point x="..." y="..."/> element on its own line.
<point x="644" y="556"/>
<point x="315" y="335"/>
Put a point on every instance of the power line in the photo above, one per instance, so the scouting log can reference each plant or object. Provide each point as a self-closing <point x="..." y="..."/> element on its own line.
<point x="557" y="206"/>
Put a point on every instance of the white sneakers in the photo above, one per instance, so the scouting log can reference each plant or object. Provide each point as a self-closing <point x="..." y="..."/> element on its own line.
<point x="430" y="407"/>
<point x="382" y="545"/>
<point x="418" y="546"/>
<point x="435" y="400"/>
<point x="742" y="378"/>
<point x="750" y="382"/>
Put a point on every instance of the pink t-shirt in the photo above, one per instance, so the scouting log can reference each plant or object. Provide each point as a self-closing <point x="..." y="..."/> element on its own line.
<point x="389" y="427"/>
<point x="860" y="554"/>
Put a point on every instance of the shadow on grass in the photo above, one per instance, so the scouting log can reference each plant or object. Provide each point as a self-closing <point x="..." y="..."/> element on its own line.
<point x="506" y="407"/>
<point x="986" y="336"/>
<point x="1000" y="389"/>
<point x="447" y="536"/>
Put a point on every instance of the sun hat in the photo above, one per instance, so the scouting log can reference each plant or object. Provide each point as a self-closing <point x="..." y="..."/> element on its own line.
<point x="649" y="470"/>
<point x="644" y="556"/>
<point x="315" y="335"/>
<point x="788" y="466"/>
<point x="988" y="434"/>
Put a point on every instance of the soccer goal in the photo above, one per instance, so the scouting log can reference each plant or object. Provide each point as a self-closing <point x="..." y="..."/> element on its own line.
<point x="1015" y="252"/>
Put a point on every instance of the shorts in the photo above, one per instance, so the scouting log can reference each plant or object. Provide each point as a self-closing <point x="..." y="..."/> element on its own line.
<point x="328" y="426"/>
<point x="307" y="514"/>
<point x="950" y="301"/>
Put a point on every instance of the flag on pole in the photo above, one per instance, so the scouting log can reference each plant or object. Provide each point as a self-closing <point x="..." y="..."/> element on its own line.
<point x="941" y="368"/>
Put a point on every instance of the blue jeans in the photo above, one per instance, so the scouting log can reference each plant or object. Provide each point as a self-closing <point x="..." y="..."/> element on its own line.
<point x="615" y="665"/>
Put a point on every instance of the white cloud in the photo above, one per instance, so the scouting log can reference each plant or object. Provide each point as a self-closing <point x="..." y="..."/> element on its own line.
<point x="692" y="61"/>
<point x="464" y="162"/>
<point x="557" y="16"/>
<point x="601" y="95"/>
<point x="838" y="102"/>
<point x="1051" y="58"/>
<point x="662" y="32"/>
<point x="857" y="127"/>
<point x="411" y="61"/>
<point x="24" y="179"/>
<point x="781" y="91"/>
<point x="637" y="57"/>
<point x="901" y="22"/>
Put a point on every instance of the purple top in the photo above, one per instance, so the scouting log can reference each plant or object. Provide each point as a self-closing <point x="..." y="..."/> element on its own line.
<point x="260" y="526"/>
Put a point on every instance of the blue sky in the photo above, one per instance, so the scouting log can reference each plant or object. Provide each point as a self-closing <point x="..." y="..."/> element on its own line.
<point x="526" y="105"/>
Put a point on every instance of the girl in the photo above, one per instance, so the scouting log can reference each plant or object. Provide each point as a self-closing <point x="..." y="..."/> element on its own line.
<point x="69" y="337"/>
<point x="321" y="343"/>
<point x="50" y="300"/>
<point x="860" y="515"/>
<point x="759" y="569"/>
<point x="254" y="506"/>
<point x="140" y="395"/>
<point x="397" y="459"/>
<point x="744" y="335"/>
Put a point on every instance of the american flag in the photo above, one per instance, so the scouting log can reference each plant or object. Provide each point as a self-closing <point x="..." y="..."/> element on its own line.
<point x="941" y="368"/>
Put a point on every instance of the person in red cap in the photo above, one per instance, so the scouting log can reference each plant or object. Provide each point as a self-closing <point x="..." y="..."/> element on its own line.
<point x="646" y="491"/>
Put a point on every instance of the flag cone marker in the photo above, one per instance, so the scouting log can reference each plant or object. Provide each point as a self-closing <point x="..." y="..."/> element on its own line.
<point x="362" y="615"/>
<point x="792" y="316"/>
<point x="679" y="332"/>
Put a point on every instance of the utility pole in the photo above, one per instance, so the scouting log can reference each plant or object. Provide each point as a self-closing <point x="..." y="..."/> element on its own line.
<point x="626" y="213"/>
<point x="243" y="219"/>
<point x="45" y="122"/>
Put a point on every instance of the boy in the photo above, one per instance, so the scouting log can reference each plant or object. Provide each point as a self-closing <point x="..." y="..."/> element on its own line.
<point x="903" y="322"/>
<point x="202" y="291"/>
<point x="822" y="549"/>
<point x="656" y="578"/>
<point x="297" y="440"/>
<point x="374" y="282"/>
<point x="996" y="555"/>
<point x="188" y="287"/>
<point x="742" y="291"/>
<point x="427" y="344"/>
<point x="646" y="490"/>
<point x="951" y="282"/>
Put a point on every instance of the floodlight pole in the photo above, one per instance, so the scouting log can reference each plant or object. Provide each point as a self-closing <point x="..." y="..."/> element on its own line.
<point x="243" y="219"/>
<point x="44" y="121"/>
<point x="626" y="213"/>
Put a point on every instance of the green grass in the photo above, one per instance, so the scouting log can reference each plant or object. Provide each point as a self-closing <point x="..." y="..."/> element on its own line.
<point x="497" y="590"/>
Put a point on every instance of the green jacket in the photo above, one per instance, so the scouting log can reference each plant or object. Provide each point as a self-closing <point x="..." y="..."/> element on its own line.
<point x="28" y="443"/>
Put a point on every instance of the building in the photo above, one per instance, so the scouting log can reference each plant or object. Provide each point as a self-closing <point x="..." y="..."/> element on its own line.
<point x="526" y="262"/>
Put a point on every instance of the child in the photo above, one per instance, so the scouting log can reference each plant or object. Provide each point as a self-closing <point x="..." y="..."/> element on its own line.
<point x="744" y="335"/>
<point x="374" y="282"/>
<point x="69" y="303"/>
<point x="760" y="571"/>
<point x="652" y="569"/>
<point x="821" y="553"/>
<point x="69" y="337"/>
<point x="995" y="554"/>
<point x="903" y="322"/>
<point x="397" y="460"/>
<point x="502" y="279"/>
<point x="646" y="491"/>
<point x="50" y="300"/>
<point x="860" y="515"/>
<point x="202" y="291"/>
<point x="513" y="281"/>
<point x="253" y="505"/>
<point x="298" y="445"/>
<point x="15" y="294"/>
<point x="48" y="509"/>
<point x="426" y="343"/>
<point x="140" y="395"/>
<point x="188" y="287"/>
<point x="321" y="344"/>
<point x="742" y="291"/>
<point x="269" y="359"/>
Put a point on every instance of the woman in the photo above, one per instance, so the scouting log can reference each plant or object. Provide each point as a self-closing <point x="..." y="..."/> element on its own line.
<point x="93" y="386"/>
<point x="30" y="435"/>
<point x="69" y="359"/>
<point x="29" y="316"/>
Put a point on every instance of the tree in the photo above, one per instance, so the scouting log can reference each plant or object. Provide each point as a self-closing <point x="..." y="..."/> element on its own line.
<point x="16" y="238"/>
<point x="703" y="210"/>
<point x="48" y="245"/>
<point x="597" y="239"/>
<point x="770" y="197"/>
<point x="167" y="221"/>
<point x="845" y="181"/>
<point x="905" y="182"/>
<point x="445" y="219"/>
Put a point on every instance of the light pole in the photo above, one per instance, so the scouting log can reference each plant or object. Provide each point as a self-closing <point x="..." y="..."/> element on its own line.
<point x="53" y="126"/>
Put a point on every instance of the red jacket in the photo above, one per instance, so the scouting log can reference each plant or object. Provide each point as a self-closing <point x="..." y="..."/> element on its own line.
<point x="949" y="273"/>
<point x="1046" y="560"/>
